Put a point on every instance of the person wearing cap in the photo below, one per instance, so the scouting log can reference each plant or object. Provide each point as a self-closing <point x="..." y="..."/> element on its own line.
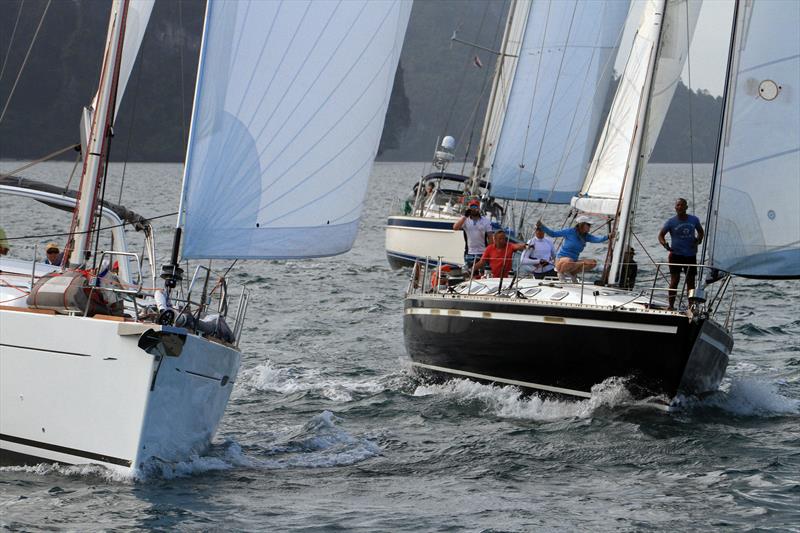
<point x="477" y="230"/>
<point x="540" y="258"/>
<point x="568" y="261"/>
<point x="685" y="233"/>
<point x="499" y="255"/>
<point x="53" y="254"/>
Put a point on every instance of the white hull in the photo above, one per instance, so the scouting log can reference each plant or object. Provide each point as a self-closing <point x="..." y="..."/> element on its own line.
<point x="412" y="238"/>
<point x="90" y="390"/>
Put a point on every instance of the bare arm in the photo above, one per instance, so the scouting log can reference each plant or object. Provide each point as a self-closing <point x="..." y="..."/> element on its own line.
<point x="460" y="223"/>
<point x="700" y="234"/>
<point x="661" y="238"/>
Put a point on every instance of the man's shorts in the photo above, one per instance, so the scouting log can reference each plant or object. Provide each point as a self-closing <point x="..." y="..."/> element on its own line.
<point x="683" y="263"/>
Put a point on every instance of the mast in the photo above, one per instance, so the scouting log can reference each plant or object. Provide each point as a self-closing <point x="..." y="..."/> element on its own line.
<point x="78" y="247"/>
<point x="621" y="231"/>
<point x="489" y="118"/>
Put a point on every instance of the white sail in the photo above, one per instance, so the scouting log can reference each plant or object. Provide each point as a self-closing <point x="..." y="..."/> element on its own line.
<point x="135" y="25"/>
<point x="559" y="89"/>
<point x="657" y="56"/>
<point x="502" y="83"/>
<point x="755" y="219"/>
<point x="289" y="108"/>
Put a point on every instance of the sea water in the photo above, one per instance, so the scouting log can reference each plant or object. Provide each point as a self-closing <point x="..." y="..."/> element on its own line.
<point x="328" y="428"/>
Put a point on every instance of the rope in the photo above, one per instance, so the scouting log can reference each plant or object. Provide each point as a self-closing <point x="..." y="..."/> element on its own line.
<point x="24" y="61"/>
<point x="40" y="160"/>
<point x="11" y="41"/>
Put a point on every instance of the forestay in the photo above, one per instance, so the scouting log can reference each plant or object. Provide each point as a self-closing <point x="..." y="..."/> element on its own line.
<point x="755" y="219"/>
<point x="644" y="92"/>
<point x="559" y="90"/>
<point x="289" y="108"/>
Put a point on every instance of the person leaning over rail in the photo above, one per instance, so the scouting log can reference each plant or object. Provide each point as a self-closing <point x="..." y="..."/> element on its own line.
<point x="53" y="255"/>
<point x="499" y="255"/>
<point x="477" y="229"/>
<point x="686" y="233"/>
<point x="568" y="261"/>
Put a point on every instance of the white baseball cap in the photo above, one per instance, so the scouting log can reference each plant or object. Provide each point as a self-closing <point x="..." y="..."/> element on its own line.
<point x="583" y="219"/>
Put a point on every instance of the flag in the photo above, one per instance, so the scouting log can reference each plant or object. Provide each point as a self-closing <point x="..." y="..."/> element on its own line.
<point x="477" y="62"/>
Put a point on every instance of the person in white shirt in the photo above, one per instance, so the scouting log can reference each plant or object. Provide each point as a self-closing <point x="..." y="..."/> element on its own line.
<point x="478" y="230"/>
<point x="539" y="258"/>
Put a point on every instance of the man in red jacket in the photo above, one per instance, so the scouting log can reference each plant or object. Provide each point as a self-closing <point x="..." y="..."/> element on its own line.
<point x="499" y="255"/>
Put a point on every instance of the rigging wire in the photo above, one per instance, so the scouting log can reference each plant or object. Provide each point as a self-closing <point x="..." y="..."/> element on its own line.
<point x="549" y="113"/>
<point x="40" y="160"/>
<point x="184" y="133"/>
<point x="24" y="61"/>
<point x="43" y="235"/>
<point x="11" y="40"/>
<point x="691" y="94"/>
<point x="72" y="174"/>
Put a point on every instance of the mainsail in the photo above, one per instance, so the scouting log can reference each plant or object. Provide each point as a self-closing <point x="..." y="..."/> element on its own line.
<point x="289" y="108"/>
<point x="755" y="217"/>
<point x="135" y="25"/>
<point x="558" y="93"/>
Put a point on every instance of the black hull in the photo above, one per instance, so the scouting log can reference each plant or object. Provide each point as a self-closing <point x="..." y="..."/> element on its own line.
<point x="564" y="349"/>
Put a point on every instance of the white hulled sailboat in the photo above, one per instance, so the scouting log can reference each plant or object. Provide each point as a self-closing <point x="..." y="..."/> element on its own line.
<point x="288" y="111"/>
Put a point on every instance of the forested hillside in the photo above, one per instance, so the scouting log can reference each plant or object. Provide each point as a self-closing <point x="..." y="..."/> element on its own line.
<point x="439" y="87"/>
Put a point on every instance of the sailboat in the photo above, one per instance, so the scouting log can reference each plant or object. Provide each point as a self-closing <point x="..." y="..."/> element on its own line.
<point x="583" y="333"/>
<point x="289" y="107"/>
<point x="573" y="41"/>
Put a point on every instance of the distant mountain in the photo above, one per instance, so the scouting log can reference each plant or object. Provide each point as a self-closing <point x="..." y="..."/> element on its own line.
<point x="439" y="87"/>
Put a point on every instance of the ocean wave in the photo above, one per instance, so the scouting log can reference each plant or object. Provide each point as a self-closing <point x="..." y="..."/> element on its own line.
<point x="267" y="377"/>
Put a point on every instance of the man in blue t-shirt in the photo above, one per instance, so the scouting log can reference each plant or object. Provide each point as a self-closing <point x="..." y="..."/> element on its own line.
<point x="685" y="234"/>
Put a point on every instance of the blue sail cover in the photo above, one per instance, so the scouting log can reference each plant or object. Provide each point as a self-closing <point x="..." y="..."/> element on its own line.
<point x="289" y="108"/>
<point x="755" y="219"/>
<point x="557" y="98"/>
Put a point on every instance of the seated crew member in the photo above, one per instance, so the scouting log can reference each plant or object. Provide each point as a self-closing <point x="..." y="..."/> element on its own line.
<point x="499" y="255"/>
<point x="568" y="261"/>
<point x="477" y="230"/>
<point x="53" y="254"/>
<point x="539" y="259"/>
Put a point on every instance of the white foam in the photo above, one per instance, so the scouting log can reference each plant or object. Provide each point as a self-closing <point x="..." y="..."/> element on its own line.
<point x="267" y="377"/>
<point x="509" y="402"/>
<point x="751" y="397"/>
<point x="87" y="470"/>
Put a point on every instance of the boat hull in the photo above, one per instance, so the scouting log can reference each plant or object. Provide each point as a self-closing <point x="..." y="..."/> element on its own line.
<point x="78" y="390"/>
<point x="563" y="349"/>
<point x="410" y="239"/>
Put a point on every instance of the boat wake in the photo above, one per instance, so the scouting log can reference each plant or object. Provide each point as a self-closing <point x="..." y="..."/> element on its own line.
<point x="744" y="397"/>
<point x="510" y="402"/>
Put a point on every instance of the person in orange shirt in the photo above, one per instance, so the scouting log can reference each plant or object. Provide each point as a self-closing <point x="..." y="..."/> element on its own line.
<point x="498" y="255"/>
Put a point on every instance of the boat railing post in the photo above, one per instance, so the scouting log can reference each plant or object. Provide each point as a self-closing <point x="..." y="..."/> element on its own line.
<point x="33" y="265"/>
<point x="655" y="280"/>
<point x="583" y="275"/>
<point x="425" y="274"/>
<point x="439" y="275"/>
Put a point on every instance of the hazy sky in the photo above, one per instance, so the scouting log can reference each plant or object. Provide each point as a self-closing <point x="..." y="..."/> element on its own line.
<point x="709" y="48"/>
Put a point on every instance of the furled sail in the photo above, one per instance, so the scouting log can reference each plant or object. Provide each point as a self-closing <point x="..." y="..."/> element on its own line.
<point x="657" y="58"/>
<point x="558" y="93"/>
<point x="755" y="216"/>
<point x="289" y="108"/>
